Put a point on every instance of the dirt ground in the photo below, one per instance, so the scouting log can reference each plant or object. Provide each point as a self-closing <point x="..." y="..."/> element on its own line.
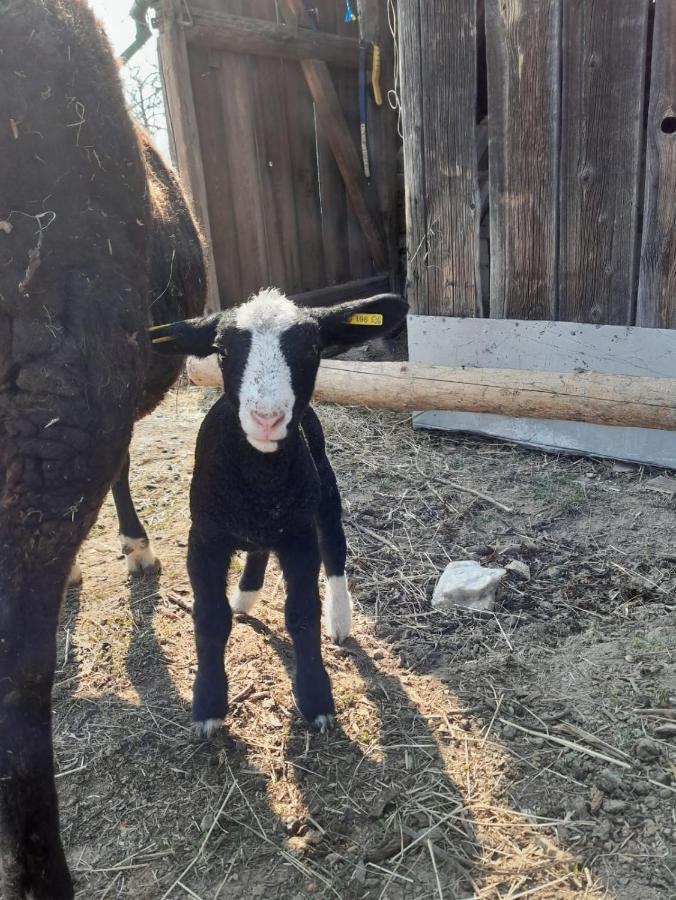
<point x="526" y="753"/>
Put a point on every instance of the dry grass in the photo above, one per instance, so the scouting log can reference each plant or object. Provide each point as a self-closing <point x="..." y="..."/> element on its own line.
<point x="414" y="793"/>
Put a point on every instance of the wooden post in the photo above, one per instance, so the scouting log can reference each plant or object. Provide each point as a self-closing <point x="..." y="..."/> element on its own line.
<point x="173" y="55"/>
<point x="624" y="400"/>
<point x="657" y="282"/>
<point x="437" y="47"/>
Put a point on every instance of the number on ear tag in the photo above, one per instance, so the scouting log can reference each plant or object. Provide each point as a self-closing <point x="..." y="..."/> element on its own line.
<point x="365" y="319"/>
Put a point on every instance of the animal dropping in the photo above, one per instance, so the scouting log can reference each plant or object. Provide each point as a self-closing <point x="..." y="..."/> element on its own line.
<point x="467" y="584"/>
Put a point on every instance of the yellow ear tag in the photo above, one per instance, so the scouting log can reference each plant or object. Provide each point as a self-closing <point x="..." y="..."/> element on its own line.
<point x="365" y="319"/>
<point x="162" y="340"/>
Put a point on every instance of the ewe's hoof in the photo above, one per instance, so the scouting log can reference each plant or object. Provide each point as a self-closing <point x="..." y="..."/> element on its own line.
<point x="141" y="559"/>
<point x="337" y="609"/>
<point x="243" y="601"/>
<point x="206" y="729"/>
<point x="75" y="576"/>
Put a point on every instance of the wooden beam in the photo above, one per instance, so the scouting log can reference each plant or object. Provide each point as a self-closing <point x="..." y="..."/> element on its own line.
<point x="657" y="282"/>
<point x="182" y="121"/>
<point x="332" y="122"/>
<point x="348" y="290"/>
<point x="242" y="34"/>
<point x="622" y="400"/>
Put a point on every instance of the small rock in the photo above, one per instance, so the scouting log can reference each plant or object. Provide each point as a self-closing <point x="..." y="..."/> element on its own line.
<point x="663" y="484"/>
<point x="603" y="831"/>
<point x="664" y="777"/>
<point x="596" y="800"/>
<point x="651" y="801"/>
<point x="609" y="781"/>
<point x="579" y="808"/>
<point x="519" y="568"/>
<point x="468" y="584"/>
<point x="649" y="827"/>
<point x="509" y="732"/>
<point x="668" y="730"/>
<point x="378" y="654"/>
<point x="641" y="788"/>
<point x="614" y="807"/>
<point x="647" y="750"/>
<point x="333" y="858"/>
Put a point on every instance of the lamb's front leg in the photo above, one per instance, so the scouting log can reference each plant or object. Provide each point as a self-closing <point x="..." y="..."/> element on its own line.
<point x="299" y="560"/>
<point x="208" y="569"/>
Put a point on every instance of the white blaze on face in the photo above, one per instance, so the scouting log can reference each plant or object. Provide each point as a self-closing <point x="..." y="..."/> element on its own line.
<point x="266" y="395"/>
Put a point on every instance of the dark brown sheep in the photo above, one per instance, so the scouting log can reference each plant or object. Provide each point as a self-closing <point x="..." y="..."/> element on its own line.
<point x="96" y="243"/>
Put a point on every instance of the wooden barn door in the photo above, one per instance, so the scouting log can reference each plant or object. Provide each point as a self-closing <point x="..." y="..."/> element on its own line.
<point x="263" y="107"/>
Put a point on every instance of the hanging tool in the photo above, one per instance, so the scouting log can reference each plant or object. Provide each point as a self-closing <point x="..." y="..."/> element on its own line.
<point x="349" y="15"/>
<point x="375" y="76"/>
<point x="363" y="49"/>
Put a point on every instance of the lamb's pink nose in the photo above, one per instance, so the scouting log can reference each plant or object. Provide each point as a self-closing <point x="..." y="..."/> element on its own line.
<point x="267" y="421"/>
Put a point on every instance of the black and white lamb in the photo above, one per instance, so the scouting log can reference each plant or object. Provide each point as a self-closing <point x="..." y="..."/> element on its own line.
<point x="263" y="483"/>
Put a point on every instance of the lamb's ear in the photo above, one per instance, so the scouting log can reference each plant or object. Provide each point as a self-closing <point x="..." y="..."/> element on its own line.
<point x="192" y="337"/>
<point x="358" y="321"/>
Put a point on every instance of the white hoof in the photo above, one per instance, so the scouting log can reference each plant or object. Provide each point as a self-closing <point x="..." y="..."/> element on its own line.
<point x="337" y="609"/>
<point x="206" y="729"/>
<point x="75" y="576"/>
<point x="140" y="556"/>
<point x="324" y="723"/>
<point x="243" y="601"/>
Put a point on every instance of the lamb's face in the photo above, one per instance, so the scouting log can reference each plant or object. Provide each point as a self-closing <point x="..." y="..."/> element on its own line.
<point x="269" y="353"/>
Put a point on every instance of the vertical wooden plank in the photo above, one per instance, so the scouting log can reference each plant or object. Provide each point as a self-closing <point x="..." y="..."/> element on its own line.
<point x="175" y="69"/>
<point x="300" y="117"/>
<point x="657" y="281"/>
<point x="331" y="185"/>
<point x="603" y="82"/>
<point x="523" y="56"/>
<point x="448" y="37"/>
<point x="382" y="129"/>
<point x="281" y="227"/>
<point x="213" y="137"/>
<point x="411" y="98"/>
<point x="347" y="88"/>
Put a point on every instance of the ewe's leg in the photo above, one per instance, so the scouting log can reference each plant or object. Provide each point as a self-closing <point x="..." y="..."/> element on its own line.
<point x="208" y="569"/>
<point x="299" y="560"/>
<point x="135" y="544"/>
<point x="251" y="582"/>
<point x="31" y="855"/>
<point x="337" y="601"/>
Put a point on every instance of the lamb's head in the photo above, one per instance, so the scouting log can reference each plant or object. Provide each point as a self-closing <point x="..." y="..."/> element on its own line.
<point x="269" y="351"/>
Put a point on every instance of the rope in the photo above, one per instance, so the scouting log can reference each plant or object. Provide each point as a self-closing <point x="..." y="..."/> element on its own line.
<point x="393" y="93"/>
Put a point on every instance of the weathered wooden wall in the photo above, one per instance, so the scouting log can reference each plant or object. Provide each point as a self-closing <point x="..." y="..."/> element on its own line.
<point x="580" y="99"/>
<point x="263" y="106"/>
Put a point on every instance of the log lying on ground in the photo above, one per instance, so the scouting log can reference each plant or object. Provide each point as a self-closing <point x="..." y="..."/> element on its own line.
<point x="578" y="396"/>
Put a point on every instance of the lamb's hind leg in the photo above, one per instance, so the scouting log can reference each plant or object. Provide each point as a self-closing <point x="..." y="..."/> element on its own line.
<point x="133" y="537"/>
<point x="250" y="582"/>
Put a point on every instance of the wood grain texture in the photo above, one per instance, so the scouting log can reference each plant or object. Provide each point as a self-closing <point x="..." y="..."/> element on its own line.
<point x="523" y="55"/>
<point x="445" y="237"/>
<point x="411" y="92"/>
<point x="603" y="82"/>
<point x="182" y="121"/>
<point x="213" y="137"/>
<point x="253" y="35"/>
<point x="656" y="306"/>
<point x="602" y="399"/>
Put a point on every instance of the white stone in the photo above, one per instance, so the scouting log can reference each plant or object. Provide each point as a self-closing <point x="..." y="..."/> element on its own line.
<point x="468" y="584"/>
